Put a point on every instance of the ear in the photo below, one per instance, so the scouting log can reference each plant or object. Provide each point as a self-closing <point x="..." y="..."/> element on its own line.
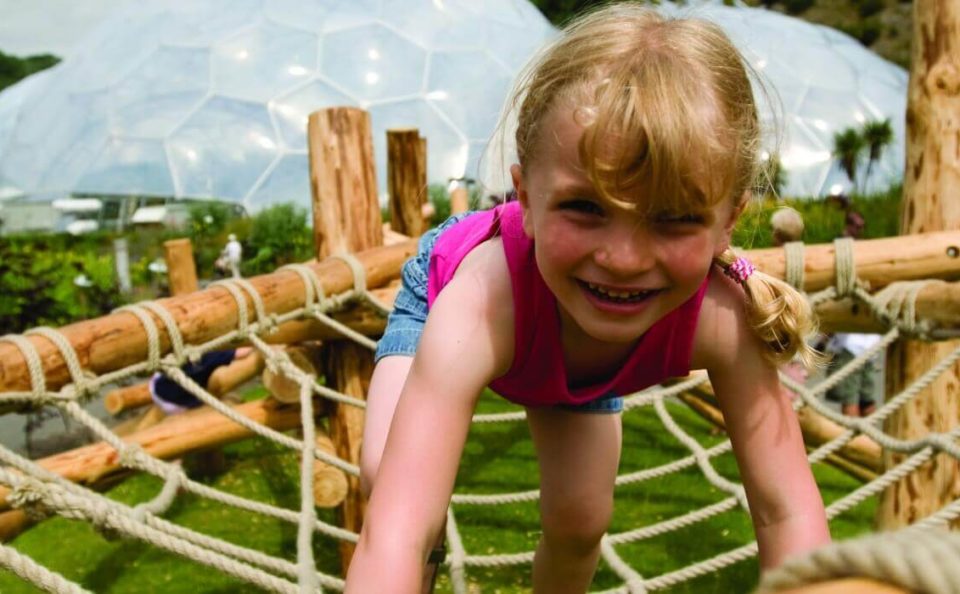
<point x="730" y="223"/>
<point x="516" y="174"/>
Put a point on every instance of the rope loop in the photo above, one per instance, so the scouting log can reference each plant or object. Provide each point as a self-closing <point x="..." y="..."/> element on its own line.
<point x="794" y="256"/>
<point x="846" y="269"/>
<point x="153" y="334"/>
<point x="38" y="382"/>
<point x="173" y="331"/>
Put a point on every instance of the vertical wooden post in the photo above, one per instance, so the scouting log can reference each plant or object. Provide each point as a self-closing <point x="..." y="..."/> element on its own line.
<point x="407" y="180"/>
<point x="931" y="180"/>
<point x="346" y="217"/>
<point x="181" y="270"/>
<point x="459" y="198"/>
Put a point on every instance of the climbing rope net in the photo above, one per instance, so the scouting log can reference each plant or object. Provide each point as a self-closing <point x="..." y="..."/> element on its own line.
<point x="41" y="492"/>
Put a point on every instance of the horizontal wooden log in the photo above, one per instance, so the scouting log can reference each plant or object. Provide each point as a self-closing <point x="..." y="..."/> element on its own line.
<point x="223" y="379"/>
<point x="172" y="438"/>
<point x="283" y="387"/>
<point x="111" y="342"/>
<point x="115" y="341"/>
<point x="853" y="585"/>
<point x="121" y="399"/>
<point x="936" y="302"/>
<point x="878" y="261"/>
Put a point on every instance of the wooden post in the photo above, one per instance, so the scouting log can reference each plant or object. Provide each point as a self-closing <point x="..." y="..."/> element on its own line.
<point x="459" y="197"/>
<point x="181" y="270"/>
<point x="406" y="180"/>
<point x="931" y="183"/>
<point x="346" y="218"/>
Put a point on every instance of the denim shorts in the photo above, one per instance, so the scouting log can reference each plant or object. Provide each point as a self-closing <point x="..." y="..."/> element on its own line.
<point x="405" y="323"/>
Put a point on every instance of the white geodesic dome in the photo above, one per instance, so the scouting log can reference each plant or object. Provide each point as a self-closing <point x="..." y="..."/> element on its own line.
<point x="826" y="81"/>
<point x="209" y="98"/>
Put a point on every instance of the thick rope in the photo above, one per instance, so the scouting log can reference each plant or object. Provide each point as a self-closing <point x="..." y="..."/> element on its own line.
<point x="921" y="561"/>
<point x="41" y="492"/>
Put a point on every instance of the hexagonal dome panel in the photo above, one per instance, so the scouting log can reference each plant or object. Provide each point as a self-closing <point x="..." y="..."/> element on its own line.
<point x="209" y="98"/>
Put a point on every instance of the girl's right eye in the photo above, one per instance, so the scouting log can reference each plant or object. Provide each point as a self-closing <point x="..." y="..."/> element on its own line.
<point x="581" y="205"/>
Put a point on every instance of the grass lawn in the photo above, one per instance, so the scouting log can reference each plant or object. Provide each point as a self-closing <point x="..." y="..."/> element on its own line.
<point x="498" y="458"/>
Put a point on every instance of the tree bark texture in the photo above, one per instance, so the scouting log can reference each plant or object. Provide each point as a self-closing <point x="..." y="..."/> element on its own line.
<point x="931" y="203"/>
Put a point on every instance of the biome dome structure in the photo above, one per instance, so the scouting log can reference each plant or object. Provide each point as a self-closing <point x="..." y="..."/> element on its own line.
<point x="209" y="98"/>
<point x="825" y="81"/>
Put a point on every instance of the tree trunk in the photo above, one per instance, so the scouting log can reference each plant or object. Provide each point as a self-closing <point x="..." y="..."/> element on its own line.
<point x="346" y="216"/>
<point x="181" y="269"/>
<point x="407" y="180"/>
<point x="931" y="181"/>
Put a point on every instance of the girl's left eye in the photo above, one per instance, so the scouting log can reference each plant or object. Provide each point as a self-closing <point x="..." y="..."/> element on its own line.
<point x="680" y="219"/>
<point x="581" y="205"/>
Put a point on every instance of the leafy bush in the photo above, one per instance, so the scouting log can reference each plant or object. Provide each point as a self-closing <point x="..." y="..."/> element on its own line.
<point x="870" y="7"/>
<point x="795" y="7"/>
<point x="37" y="282"/>
<point x="278" y="235"/>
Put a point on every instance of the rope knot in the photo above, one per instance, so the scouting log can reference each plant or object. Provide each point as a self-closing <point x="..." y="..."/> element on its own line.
<point x="130" y="456"/>
<point x="31" y="496"/>
<point x="271" y="323"/>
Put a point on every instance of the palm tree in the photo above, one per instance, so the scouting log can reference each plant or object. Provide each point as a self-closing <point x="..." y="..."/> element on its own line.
<point x="877" y="135"/>
<point x="847" y="145"/>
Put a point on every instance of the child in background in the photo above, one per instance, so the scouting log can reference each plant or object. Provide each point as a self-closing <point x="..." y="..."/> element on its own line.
<point x="786" y="225"/>
<point x="637" y="142"/>
<point x="857" y="392"/>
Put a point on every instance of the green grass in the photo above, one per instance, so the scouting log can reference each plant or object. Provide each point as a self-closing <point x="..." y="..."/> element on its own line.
<point x="498" y="458"/>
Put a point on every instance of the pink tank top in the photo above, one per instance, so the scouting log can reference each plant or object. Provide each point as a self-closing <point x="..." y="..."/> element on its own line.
<point x="538" y="376"/>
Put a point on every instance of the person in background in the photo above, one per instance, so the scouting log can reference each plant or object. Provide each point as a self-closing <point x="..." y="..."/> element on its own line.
<point x="856" y="394"/>
<point x="232" y="254"/>
<point x="172" y="398"/>
<point x="786" y="225"/>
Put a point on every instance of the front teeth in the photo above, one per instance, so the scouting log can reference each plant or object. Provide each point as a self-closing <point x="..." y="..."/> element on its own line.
<point x="616" y="294"/>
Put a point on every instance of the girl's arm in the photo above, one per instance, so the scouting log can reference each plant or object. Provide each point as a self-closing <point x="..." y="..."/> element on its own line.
<point x="457" y="357"/>
<point x="787" y="510"/>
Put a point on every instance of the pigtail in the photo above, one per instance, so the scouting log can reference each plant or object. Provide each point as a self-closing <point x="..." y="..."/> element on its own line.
<point x="779" y="315"/>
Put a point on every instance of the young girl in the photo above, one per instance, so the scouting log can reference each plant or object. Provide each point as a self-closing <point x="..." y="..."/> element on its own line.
<point x="637" y="142"/>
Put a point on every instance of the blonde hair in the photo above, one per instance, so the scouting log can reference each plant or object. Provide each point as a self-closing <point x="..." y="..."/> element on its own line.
<point x="787" y="224"/>
<point x="675" y="97"/>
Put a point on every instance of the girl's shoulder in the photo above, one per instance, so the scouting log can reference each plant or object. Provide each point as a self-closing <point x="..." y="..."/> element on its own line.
<point x="482" y="288"/>
<point x="723" y="329"/>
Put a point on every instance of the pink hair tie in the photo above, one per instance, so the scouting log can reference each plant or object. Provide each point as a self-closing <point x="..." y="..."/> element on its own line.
<point x="740" y="270"/>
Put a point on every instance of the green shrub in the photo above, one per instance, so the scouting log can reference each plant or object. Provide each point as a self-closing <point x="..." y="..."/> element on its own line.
<point x="870" y="7"/>
<point x="823" y="220"/>
<point x="278" y="235"/>
<point x="798" y="6"/>
<point x="37" y="282"/>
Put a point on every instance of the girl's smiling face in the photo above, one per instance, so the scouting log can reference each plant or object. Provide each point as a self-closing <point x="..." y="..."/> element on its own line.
<point x="614" y="271"/>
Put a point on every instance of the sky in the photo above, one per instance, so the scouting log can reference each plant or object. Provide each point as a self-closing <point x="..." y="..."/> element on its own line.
<point x="30" y="27"/>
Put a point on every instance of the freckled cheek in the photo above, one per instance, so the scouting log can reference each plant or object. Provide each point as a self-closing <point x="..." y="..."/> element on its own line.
<point x="561" y="246"/>
<point x="688" y="258"/>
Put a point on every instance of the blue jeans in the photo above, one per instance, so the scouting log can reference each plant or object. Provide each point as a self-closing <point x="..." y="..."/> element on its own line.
<point x="406" y="321"/>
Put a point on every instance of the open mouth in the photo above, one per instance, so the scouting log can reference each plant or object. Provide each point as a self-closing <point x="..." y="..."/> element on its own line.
<point x="617" y="296"/>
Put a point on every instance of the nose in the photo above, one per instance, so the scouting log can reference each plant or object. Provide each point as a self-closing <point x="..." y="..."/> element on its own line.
<point x="626" y="250"/>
